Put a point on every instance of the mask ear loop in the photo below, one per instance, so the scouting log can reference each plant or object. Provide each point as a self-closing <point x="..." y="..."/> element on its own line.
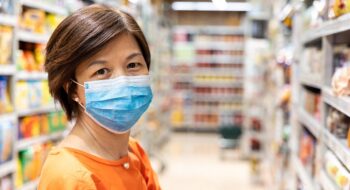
<point x="77" y="99"/>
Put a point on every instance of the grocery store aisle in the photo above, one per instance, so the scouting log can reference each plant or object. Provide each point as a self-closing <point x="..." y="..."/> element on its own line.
<point x="193" y="163"/>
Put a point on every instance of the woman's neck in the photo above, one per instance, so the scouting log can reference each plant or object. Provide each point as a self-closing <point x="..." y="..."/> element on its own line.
<point x="88" y="136"/>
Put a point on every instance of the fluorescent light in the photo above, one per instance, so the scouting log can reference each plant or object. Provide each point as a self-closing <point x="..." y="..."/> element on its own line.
<point x="209" y="6"/>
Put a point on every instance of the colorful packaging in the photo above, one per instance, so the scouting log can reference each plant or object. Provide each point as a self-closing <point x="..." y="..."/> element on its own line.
<point x="6" y="43"/>
<point x="5" y="104"/>
<point x="7" y="138"/>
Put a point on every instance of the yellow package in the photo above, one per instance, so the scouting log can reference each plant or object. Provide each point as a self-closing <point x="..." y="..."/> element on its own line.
<point x="22" y="93"/>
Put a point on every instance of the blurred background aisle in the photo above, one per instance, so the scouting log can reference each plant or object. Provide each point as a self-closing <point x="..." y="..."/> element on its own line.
<point x="193" y="163"/>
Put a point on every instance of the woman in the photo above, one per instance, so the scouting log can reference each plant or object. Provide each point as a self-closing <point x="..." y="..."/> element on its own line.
<point x="98" y="63"/>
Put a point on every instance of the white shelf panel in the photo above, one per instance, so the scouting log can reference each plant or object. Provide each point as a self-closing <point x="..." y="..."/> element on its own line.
<point x="219" y="84"/>
<point x="24" y="75"/>
<point x="213" y="45"/>
<point x="339" y="148"/>
<point x="8" y="116"/>
<point x="44" y="5"/>
<point x="220" y="30"/>
<point x="32" y="37"/>
<point x="303" y="175"/>
<point x="342" y="104"/>
<point x="217" y="111"/>
<point x="25" y="143"/>
<point x="326" y="182"/>
<point x="30" y="185"/>
<point x="330" y="27"/>
<point x="40" y="110"/>
<point x="9" y="20"/>
<point x="7" y="168"/>
<point x="310" y="122"/>
<point x="7" y="69"/>
<point x="309" y="80"/>
<point x="230" y="59"/>
<point x="218" y="97"/>
<point x="219" y="71"/>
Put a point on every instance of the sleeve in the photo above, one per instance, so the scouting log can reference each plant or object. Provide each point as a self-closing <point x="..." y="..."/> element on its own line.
<point x="66" y="182"/>
<point x="148" y="173"/>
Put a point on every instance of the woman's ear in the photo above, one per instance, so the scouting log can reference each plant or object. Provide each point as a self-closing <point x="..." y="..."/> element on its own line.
<point x="68" y="89"/>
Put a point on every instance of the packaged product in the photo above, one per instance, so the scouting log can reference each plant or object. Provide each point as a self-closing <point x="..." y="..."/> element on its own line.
<point x="33" y="20"/>
<point x="22" y="93"/>
<point x="6" y="140"/>
<point x="6" y="44"/>
<point x="5" y="104"/>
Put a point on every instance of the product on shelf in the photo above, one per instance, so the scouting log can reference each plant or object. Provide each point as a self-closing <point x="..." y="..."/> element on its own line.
<point x="336" y="171"/>
<point x="33" y="126"/>
<point x="7" y="138"/>
<point x="311" y="99"/>
<point x="6" y="44"/>
<point x="7" y="7"/>
<point x="341" y="70"/>
<point x="32" y="94"/>
<point x="338" y="123"/>
<point x="307" y="151"/>
<point x="255" y="144"/>
<point x="30" y="162"/>
<point x="33" y="20"/>
<point x="52" y="21"/>
<point x="312" y="58"/>
<point x="30" y="57"/>
<point x="6" y="183"/>
<point x="338" y="8"/>
<point x="5" y="104"/>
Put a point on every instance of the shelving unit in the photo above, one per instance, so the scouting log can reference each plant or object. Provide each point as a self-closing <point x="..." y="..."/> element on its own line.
<point x="214" y="76"/>
<point x="326" y="36"/>
<point x="16" y="74"/>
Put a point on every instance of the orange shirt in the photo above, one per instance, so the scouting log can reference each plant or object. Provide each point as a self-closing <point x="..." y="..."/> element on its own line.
<point x="68" y="169"/>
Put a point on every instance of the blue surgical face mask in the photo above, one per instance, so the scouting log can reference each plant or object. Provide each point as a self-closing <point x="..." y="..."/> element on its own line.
<point x="117" y="104"/>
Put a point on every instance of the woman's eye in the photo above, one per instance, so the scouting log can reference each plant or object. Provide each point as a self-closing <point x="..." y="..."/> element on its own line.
<point x="102" y="72"/>
<point x="133" y="65"/>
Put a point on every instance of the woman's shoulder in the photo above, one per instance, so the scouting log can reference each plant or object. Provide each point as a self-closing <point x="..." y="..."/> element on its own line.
<point x="62" y="170"/>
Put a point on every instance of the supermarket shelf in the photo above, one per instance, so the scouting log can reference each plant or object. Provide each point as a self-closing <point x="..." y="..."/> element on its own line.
<point x="223" y="30"/>
<point x="326" y="182"/>
<point x="218" y="97"/>
<point x="7" y="69"/>
<point x="311" y="123"/>
<point x="330" y="27"/>
<point x="339" y="148"/>
<point x="32" y="37"/>
<point x="303" y="175"/>
<point x="24" y="75"/>
<point x="213" y="45"/>
<point x="8" y="116"/>
<point x="48" y="7"/>
<point x="220" y="59"/>
<point x="30" y="185"/>
<point x="219" y="84"/>
<point x="40" y="110"/>
<point x="217" y="111"/>
<point x="7" y="168"/>
<point x="196" y="129"/>
<point x="311" y="81"/>
<point x="9" y="20"/>
<point x="25" y="143"/>
<point x="219" y="71"/>
<point x="340" y="103"/>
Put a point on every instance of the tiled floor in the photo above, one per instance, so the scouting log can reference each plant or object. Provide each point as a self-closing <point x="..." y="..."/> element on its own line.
<point x="193" y="163"/>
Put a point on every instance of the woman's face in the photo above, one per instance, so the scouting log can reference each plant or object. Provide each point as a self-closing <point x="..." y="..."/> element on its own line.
<point x="121" y="57"/>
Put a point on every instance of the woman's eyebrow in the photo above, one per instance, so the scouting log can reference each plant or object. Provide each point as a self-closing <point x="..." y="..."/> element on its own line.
<point x="132" y="55"/>
<point x="97" y="62"/>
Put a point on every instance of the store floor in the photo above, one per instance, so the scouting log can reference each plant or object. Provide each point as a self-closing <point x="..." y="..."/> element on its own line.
<point x="193" y="163"/>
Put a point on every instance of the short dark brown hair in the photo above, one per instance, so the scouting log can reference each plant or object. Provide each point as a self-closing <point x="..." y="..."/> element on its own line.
<point x="79" y="37"/>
